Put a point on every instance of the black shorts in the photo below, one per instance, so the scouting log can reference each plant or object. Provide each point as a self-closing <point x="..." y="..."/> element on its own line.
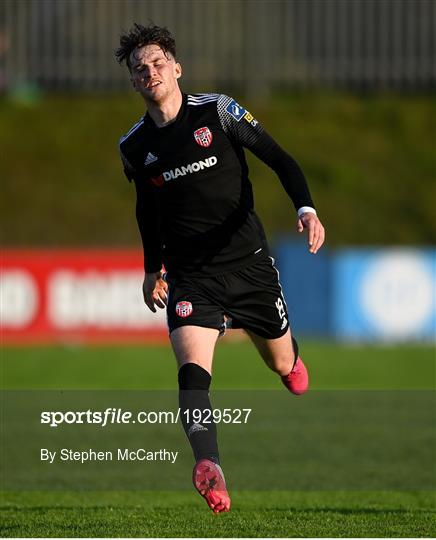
<point x="250" y="298"/>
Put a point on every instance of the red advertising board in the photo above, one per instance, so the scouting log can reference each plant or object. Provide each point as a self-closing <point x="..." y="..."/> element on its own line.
<point x="75" y="296"/>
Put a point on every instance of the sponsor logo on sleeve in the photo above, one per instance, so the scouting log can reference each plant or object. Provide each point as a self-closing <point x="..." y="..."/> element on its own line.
<point x="235" y="110"/>
<point x="250" y="119"/>
<point x="203" y="136"/>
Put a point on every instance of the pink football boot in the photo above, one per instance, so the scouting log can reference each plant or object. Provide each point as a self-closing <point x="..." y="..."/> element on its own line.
<point x="208" y="479"/>
<point x="297" y="381"/>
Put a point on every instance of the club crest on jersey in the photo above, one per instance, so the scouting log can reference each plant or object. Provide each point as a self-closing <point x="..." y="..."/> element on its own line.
<point x="203" y="136"/>
<point x="184" y="309"/>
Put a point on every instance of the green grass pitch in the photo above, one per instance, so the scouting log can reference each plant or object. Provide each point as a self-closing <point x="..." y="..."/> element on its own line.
<point x="183" y="513"/>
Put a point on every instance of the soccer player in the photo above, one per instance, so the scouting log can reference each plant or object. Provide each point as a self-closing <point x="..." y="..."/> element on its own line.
<point x="194" y="207"/>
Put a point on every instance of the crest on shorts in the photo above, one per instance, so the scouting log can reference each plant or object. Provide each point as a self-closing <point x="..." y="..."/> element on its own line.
<point x="203" y="136"/>
<point x="183" y="309"/>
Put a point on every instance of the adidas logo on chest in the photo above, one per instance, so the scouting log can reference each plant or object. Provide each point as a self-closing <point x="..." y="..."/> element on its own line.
<point x="151" y="158"/>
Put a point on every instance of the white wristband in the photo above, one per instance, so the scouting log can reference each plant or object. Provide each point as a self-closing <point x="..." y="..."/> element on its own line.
<point x="306" y="210"/>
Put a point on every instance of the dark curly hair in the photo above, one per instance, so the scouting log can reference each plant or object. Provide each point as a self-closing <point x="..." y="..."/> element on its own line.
<point x="139" y="36"/>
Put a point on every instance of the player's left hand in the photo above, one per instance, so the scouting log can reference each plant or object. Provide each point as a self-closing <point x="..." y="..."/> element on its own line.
<point x="316" y="232"/>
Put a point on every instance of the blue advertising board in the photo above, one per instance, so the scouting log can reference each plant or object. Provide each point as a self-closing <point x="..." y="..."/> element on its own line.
<point x="359" y="294"/>
<point x="384" y="294"/>
<point x="305" y="281"/>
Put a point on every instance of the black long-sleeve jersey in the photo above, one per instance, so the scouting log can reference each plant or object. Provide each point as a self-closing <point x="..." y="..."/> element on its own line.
<point x="194" y="197"/>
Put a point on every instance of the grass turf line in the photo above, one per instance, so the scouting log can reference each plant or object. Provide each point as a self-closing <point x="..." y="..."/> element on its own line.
<point x="237" y="365"/>
<point x="184" y="514"/>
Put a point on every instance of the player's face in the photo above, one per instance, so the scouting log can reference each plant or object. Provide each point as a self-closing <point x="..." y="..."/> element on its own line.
<point x="154" y="74"/>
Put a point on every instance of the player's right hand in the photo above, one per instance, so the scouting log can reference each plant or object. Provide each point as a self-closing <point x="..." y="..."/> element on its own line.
<point x="155" y="291"/>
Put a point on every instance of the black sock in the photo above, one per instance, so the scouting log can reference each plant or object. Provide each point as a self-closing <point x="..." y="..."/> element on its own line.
<point x="194" y="383"/>
<point x="295" y="347"/>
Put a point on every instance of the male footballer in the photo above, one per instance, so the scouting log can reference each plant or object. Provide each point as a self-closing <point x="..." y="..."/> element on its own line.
<point x="194" y="207"/>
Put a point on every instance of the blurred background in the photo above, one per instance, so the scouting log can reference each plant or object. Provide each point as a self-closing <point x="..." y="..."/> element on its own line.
<point x="346" y="86"/>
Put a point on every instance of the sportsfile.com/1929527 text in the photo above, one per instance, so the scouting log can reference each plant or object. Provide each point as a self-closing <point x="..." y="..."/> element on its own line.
<point x="113" y="415"/>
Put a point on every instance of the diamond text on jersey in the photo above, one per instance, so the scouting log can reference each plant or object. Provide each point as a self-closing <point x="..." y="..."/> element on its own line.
<point x="189" y="169"/>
